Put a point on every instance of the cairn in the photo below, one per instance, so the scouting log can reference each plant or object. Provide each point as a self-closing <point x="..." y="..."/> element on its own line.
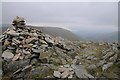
<point x="18" y="22"/>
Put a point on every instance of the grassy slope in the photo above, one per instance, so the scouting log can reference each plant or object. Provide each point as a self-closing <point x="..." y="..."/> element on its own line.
<point x="54" y="31"/>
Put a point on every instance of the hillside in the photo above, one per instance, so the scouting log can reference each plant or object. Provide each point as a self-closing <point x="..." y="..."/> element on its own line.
<point x="108" y="37"/>
<point x="53" y="31"/>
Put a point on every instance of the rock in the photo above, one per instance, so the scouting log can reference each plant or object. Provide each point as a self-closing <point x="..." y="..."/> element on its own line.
<point x="7" y="54"/>
<point x="63" y="61"/>
<point x="15" y="41"/>
<point x="26" y="52"/>
<point x="18" y="22"/>
<point x="49" y="40"/>
<point x="77" y="61"/>
<point x="67" y="65"/>
<point x="43" y="42"/>
<point x="70" y="69"/>
<point x="18" y="19"/>
<point x="13" y="66"/>
<point x="65" y="74"/>
<point x="55" y="61"/>
<point x="6" y="42"/>
<point x="16" y="57"/>
<point x="34" y="61"/>
<point x="11" y="47"/>
<point x="106" y="66"/>
<point x="113" y="58"/>
<point x="30" y="40"/>
<point x="81" y="72"/>
<point x="93" y="66"/>
<point x="12" y="33"/>
<point x="33" y="34"/>
<point x="90" y="57"/>
<point x="85" y="55"/>
<point x="109" y="54"/>
<point x="57" y="74"/>
<point x="83" y="46"/>
<point x="101" y="63"/>
<point x="43" y="55"/>
<point x="27" y="67"/>
<point x="95" y="59"/>
<point x="36" y="50"/>
<point x="62" y="69"/>
<point x="77" y="57"/>
<point x="71" y="76"/>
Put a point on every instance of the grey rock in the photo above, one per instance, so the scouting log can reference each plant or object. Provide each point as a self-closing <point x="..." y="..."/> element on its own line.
<point x="57" y="74"/>
<point x="36" y="50"/>
<point x="6" y="43"/>
<point x="90" y="57"/>
<point x="62" y="69"/>
<point x="101" y="63"/>
<point x="109" y="54"/>
<point x="113" y="58"/>
<point x="93" y="66"/>
<point x="34" y="61"/>
<point x="70" y="76"/>
<point x="15" y="41"/>
<point x="40" y="71"/>
<point x="26" y="52"/>
<point x="27" y="67"/>
<point x="43" y="42"/>
<point x="106" y="66"/>
<point x="65" y="74"/>
<point x="31" y="39"/>
<point x="13" y="66"/>
<point x="11" y="47"/>
<point x="12" y="33"/>
<point x="16" y="57"/>
<point x="49" y="40"/>
<point x="7" y="54"/>
<point x="81" y="72"/>
<point x="67" y="65"/>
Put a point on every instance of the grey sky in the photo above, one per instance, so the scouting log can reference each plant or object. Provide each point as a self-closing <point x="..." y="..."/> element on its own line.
<point x="99" y="17"/>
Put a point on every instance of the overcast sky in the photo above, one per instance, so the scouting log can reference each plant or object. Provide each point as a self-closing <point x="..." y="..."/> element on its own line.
<point x="76" y="16"/>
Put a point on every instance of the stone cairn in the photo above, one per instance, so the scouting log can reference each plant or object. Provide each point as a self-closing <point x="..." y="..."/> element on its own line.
<point x="26" y="50"/>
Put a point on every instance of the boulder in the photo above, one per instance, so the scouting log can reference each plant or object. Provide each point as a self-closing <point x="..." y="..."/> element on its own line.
<point x="57" y="74"/>
<point x="81" y="72"/>
<point x="7" y="54"/>
<point x="106" y="66"/>
<point x="109" y="54"/>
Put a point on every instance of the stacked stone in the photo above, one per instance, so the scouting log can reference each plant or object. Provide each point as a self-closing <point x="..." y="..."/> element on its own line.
<point x="18" y="22"/>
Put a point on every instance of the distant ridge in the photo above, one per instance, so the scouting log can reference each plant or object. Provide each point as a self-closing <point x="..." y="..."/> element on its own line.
<point x="54" y="31"/>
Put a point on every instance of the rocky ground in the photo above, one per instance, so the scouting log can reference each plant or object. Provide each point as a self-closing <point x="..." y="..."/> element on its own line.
<point x="29" y="54"/>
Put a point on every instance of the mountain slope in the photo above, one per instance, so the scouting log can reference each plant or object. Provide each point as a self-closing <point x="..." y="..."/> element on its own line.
<point x="109" y="37"/>
<point x="54" y="31"/>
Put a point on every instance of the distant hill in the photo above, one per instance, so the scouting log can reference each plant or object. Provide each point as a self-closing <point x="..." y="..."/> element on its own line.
<point x="109" y="37"/>
<point x="112" y="36"/>
<point x="54" y="31"/>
